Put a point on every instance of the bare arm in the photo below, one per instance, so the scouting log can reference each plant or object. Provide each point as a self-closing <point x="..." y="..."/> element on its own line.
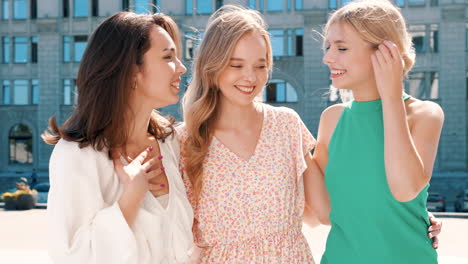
<point x="409" y="155"/>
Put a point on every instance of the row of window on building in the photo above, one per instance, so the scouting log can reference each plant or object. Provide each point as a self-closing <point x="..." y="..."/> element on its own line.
<point x="285" y="42"/>
<point x="23" y="9"/>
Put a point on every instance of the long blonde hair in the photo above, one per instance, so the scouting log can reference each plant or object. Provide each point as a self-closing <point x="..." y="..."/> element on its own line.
<point x="200" y="103"/>
<point x="376" y="21"/>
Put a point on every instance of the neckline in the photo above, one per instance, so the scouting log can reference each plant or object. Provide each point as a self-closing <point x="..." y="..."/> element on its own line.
<point x="372" y="105"/>
<point x="259" y="140"/>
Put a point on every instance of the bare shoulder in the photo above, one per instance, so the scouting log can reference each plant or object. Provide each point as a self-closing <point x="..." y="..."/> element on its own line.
<point x="328" y="121"/>
<point x="420" y="111"/>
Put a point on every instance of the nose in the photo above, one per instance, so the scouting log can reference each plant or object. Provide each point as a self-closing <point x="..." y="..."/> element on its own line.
<point x="181" y="69"/>
<point x="328" y="57"/>
<point x="249" y="74"/>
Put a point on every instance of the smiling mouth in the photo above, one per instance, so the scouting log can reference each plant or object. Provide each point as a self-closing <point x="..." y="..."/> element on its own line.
<point x="337" y="73"/>
<point x="245" y="89"/>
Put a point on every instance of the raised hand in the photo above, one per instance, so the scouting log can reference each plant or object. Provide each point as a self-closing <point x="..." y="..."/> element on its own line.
<point x="388" y="70"/>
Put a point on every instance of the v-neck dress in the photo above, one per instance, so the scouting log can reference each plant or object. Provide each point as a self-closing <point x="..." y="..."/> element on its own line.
<point x="250" y="211"/>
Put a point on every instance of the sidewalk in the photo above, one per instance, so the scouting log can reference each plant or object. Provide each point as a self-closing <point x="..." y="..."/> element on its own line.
<point x="27" y="239"/>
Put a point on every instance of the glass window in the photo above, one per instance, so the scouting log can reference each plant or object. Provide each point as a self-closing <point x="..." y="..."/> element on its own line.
<point x="35" y="91"/>
<point x="66" y="48"/>
<point x="141" y="6"/>
<point x="416" y="84"/>
<point x="67" y="92"/>
<point x="416" y="1"/>
<point x="299" y="42"/>
<point x="274" y="5"/>
<point x="95" y="8"/>
<point x="345" y="2"/>
<point x="6" y="92"/>
<point x="253" y="4"/>
<point x="279" y="91"/>
<point x="434" y="38"/>
<point x="20" y="92"/>
<point x="80" y="46"/>
<point x="333" y="4"/>
<point x="34" y="41"/>
<point x="5" y="9"/>
<point x="466" y="38"/>
<point x="400" y="3"/>
<point x="19" y="9"/>
<point x="189" y="7"/>
<point x="125" y="5"/>
<point x="20" y="138"/>
<point x="33" y="11"/>
<point x="20" y="49"/>
<point x="433" y="93"/>
<point x="434" y="2"/>
<point x="418" y="33"/>
<point x="66" y="8"/>
<point x="219" y="3"/>
<point x="298" y="5"/>
<point x="80" y="8"/>
<point x="6" y="49"/>
<point x="277" y="41"/>
<point x="204" y="7"/>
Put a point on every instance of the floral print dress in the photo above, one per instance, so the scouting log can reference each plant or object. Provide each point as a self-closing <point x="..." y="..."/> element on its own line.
<point x="250" y="211"/>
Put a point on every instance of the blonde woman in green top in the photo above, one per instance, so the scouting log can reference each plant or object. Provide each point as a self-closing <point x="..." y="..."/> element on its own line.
<point x="376" y="152"/>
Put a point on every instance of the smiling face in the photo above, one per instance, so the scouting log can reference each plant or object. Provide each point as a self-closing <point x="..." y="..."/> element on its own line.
<point x="348" y="57"/>
<point x="157" y="80"/>
<point x="246" y="73"/>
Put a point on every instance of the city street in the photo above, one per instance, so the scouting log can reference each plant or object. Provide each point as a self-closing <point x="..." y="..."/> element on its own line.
<point x="24" y="238"/>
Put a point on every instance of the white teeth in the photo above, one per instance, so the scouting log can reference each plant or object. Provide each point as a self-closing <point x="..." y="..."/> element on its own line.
<point x="337" y="72"/>
<point x="247" y="90"/>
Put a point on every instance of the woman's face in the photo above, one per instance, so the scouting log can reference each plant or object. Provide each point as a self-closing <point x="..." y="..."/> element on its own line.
<point x="246" y="73"/>
<point x="158" y="79"/>
<point x="348" y="57"/>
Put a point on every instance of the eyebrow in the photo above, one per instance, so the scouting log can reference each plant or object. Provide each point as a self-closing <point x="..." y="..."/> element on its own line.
<point x="338" y="41"/>
<point x="169" y="48"/>
<point x="239" y="59"/>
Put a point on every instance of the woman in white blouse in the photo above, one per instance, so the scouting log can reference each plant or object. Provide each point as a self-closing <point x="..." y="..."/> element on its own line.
<point x="130" y="67"/>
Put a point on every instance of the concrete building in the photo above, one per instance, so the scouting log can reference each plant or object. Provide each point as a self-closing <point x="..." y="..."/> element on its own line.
<point x="42" y="43"/>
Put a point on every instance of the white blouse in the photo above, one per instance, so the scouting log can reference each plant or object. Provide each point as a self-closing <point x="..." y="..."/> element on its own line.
<point x="86" y="224"/>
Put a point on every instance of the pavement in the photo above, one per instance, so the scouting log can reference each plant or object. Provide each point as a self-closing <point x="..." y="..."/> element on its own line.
<point x="23" y="238"/>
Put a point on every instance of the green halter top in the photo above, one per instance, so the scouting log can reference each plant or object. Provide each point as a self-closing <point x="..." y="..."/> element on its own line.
<point x="368" y="225"/>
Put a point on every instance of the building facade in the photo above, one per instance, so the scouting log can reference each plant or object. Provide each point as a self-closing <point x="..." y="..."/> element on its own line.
<point x="42" y="43"/>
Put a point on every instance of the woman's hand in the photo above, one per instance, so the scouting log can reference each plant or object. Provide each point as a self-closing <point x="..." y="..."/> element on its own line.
<point x="434" y="230"/>
<point x="388" y="70"/>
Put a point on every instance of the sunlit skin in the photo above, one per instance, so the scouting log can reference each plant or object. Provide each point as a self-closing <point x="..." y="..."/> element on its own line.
<point x="156" y="85"/>
<point x="411" y="128"/>
<point x="240" y="119"/>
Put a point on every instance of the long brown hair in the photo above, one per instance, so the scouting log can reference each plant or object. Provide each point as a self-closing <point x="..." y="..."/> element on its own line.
<point x="105" y="80"/>
<point x="200" y="103"/>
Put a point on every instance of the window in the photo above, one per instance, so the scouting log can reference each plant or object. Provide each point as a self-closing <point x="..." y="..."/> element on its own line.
<point x="467" y="86"/>
<point x="33" y="11"/>
<point x="79" y="46"/>
<point x="423" y="85"/>
<point x="434" y="38"/>
<point x="35" y="91"/>
<point x="66" y="8"/>
<point x="295" y="42"/>
<point x="34" y="41"/>
<point x="142" y="6"/>
<point x="66" y="48"/>
<point x="125" y="5"/>
<point x="219" y="3"/>
<point x="416" y="2"/>
<point x="434" y="2"/>
<point x="20" y="49"/>
<point x="6" y="49"/>
<point x="19" y="9"/>
<point x="192" y="40"/>
<point x="20" y="139"/>
<point x="466" y="38"/>
<point x="256" y="4"/>
<point x="5" y="9"/>
<point x="6" y="91"/>
<point x="20" y="92"/>
<point x="189" y="7"/>
<point x="400" y="3"/>
<point x="333" y="4"/>
<point x="277" y="42"/>
<point x="70" y="95"/>
<point x="202" y="7"/>
<point x="279" y="91"/>
<point x="95" y="8"/>
<point x="80" y="8"/>
<point x="298" y="5"/>
<point x="274" y="5"/>
<point x="418" y="33"/>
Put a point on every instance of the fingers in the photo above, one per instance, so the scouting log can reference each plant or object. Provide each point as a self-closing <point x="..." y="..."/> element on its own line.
<point x="141" y="158"/>
<point x="154" y="173"/>
<point x="150" y="163"/>
<point x="385" y="54"/>
<point x="392" y="47"/>
<point x="157" y="187"/>
<point x="435" y="243"/>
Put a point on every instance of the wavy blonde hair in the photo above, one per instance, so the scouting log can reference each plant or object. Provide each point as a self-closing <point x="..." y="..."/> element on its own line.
<point x="200" y="103"/>
<point x="376" y="21"/>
